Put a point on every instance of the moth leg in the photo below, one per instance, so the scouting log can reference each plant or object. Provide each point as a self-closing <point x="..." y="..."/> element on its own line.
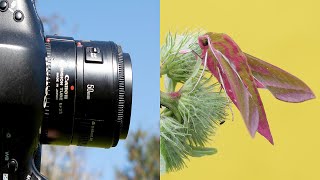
<point x="220" y="90"/>
<point x="202" y="73"/>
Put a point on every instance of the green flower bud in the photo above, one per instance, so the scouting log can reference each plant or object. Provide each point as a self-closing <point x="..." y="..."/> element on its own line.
<point x="177" y="59"/>
<point x="201" y="108"/>
<point x="173" y="146"/>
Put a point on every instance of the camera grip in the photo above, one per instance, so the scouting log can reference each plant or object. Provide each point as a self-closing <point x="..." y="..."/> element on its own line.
<point x="22" y="84"/>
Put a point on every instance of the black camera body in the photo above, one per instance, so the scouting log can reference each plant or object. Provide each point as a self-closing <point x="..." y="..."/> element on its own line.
<point x="56" y="90"/>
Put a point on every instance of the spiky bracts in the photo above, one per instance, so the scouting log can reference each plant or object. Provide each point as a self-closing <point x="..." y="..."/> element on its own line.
<point x="189" y="114"/>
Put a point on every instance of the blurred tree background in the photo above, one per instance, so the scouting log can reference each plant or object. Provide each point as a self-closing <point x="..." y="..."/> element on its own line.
<point x="60" y="163"/>
<point x="144" y="158"/>
<point x="68" y="163"/>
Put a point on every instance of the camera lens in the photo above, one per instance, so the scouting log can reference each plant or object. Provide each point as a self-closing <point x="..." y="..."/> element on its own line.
<point x="88" y="93"/>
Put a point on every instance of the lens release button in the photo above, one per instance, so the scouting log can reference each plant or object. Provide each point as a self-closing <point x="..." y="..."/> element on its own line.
<point x="3" y="6"/>
<point x="18" y="16"/>
<point x="93" y="55"/>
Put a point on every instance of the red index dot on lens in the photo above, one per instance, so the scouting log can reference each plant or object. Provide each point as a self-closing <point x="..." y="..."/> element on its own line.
<point x="71" y="88"/>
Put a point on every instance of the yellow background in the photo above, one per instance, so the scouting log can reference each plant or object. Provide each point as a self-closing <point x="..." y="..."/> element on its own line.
<point x="286" y="34"/>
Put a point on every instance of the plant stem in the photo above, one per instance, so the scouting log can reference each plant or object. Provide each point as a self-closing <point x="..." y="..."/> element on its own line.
<point x="167" y="112"/>
<point x="170" y="103"/>
<point x="172" y="85"/>
<point x="163" y="71"/>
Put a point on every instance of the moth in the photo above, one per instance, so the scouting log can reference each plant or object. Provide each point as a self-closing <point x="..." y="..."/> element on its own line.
<point x="241" y="74"/>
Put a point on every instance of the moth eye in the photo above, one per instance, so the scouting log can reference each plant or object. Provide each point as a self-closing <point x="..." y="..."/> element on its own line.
<point x="205" y="42"/>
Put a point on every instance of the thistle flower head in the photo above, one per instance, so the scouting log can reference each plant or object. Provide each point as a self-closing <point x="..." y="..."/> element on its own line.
<point x="202" y="108"/>
<point x="190" y="115"/>
<point x="176" y="60"/>
<point x="172" y="143"/>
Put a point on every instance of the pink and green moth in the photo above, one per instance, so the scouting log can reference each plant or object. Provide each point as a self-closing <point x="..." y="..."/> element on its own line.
<point x="240" y="75"/>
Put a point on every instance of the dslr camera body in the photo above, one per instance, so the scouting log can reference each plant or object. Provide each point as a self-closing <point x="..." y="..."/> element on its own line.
<point x="56" y="90"/>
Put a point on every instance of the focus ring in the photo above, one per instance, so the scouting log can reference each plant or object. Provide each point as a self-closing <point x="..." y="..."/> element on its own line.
<point x="121" y="81"/>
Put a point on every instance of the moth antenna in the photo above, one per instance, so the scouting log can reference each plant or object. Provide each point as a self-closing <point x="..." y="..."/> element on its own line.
<point x="202" y="73"/>
<point x="196" y="54"/>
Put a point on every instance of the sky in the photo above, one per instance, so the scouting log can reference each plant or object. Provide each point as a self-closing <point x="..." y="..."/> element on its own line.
<point x="135" y="26"/>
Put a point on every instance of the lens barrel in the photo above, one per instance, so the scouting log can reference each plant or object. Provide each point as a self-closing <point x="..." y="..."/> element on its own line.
<point x="88" y="93"/>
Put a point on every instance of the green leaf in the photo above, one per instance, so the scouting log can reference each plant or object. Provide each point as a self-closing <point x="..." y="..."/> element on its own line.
<point x="202" y="151"/>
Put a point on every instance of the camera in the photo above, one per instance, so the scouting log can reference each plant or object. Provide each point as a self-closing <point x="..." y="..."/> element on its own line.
<point x="56" y="90"/>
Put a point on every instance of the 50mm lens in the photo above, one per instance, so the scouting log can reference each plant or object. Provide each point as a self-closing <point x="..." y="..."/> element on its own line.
<point x="88" y="93"/>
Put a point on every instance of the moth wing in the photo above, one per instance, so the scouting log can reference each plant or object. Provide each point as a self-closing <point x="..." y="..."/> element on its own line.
<point x="283" y="85"/>
<point x="238" y="93"/>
